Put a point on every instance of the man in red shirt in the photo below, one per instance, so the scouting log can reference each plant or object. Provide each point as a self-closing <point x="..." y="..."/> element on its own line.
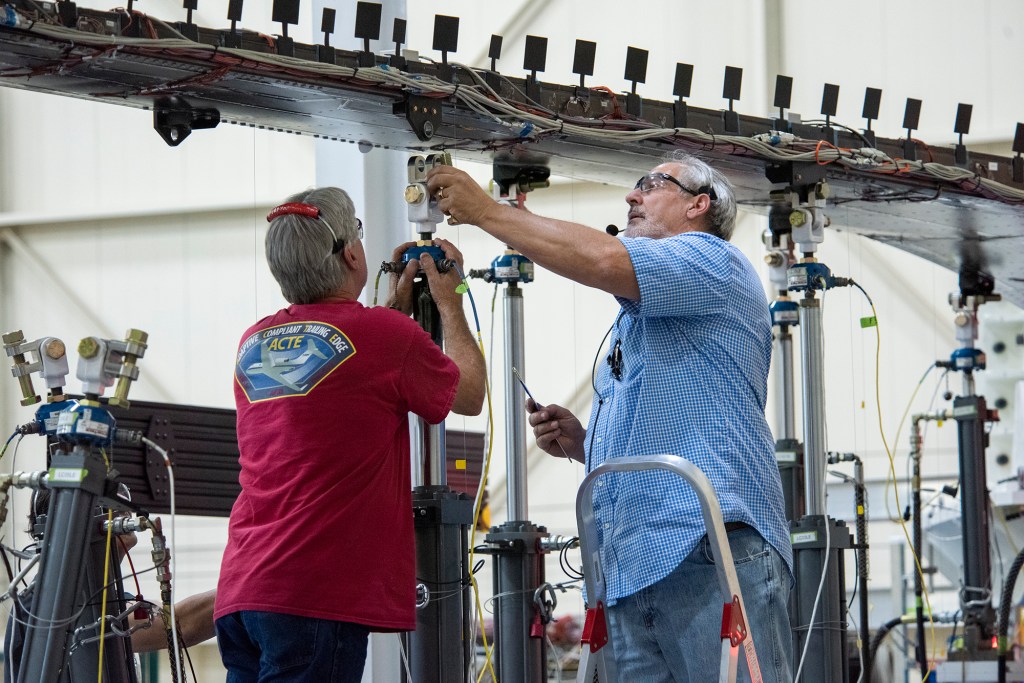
<point x="320" y="548"/>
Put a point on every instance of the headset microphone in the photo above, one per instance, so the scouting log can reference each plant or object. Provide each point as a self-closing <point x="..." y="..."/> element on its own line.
<point x="612" y="230"/>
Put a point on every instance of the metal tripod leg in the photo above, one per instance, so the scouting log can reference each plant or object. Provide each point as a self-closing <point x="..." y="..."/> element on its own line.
<point x="594" y="664"/>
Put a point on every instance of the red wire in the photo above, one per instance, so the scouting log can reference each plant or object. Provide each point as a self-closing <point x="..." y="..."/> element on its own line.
<point x="138" y="588"/>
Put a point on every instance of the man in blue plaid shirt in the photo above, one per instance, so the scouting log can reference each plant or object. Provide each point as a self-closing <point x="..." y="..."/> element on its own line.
<point x="686" y="375"/>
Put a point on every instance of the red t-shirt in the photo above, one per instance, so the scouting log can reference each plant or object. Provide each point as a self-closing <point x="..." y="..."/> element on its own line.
<point x="323" y="527"/>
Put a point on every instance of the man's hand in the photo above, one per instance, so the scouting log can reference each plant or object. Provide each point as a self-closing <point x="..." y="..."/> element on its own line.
<point x="459" y="196"/>
<point x="400" y="288"/>
<point x="443" y="285"/>
<point x="557" y="430"/>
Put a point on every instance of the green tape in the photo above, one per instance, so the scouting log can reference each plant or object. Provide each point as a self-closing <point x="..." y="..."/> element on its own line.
<point x="869" y="321"/>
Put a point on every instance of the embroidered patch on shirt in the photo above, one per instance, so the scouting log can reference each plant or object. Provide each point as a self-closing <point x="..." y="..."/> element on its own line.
<point x="289" y="360"/>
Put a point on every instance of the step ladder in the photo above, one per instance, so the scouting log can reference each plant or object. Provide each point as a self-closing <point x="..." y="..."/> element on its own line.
<point x="597" y="665"/>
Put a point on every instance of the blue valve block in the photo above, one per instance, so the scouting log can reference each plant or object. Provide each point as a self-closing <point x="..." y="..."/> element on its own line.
<point x="814" y="275"/>
<point x="784" y="313"/>
<point x="414" y="252"/>
<point x="968" y="359"/>
<point x="83" y="423"/>
<point x="512" y="267"/>
<point x="48" y="416"/>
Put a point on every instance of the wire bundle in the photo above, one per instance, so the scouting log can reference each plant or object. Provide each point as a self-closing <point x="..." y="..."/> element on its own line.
<point x="522" y="121"/>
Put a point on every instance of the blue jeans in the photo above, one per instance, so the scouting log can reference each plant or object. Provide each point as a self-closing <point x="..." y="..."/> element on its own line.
<point x="669" y="632"/>
<point x="266" y="647"/>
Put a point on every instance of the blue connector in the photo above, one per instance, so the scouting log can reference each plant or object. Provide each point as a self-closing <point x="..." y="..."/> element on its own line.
<point x="511" y="268"/>
<point x="84" y="423"/>
<point x="784" y="313"/>
<point x="814" y="276"/>
<point x="48" y="416"/>
<point x="967" y="359"/>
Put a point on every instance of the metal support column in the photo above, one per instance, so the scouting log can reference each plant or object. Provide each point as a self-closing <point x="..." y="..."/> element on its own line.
<point x="818" y="617"/>
<point x="971" y="414"/>
<point x="65" y="616"/>
<point x="520" y="645"/>
<point x="785" y="314"/>
<point x="518" y="545"/>
<point x="818" y="540"/>
<point x="440" y="648"/>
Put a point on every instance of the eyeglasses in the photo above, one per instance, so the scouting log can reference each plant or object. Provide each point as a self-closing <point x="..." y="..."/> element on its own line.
<point x="656" y="181"/>
<point x="339" y="243"/>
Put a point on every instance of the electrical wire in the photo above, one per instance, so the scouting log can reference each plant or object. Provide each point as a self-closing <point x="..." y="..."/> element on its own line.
<point x="892" y="466"/>
<point x="891" y="477"/>
<point x="828" y="543"/>
<point x="405" y="660"/>
<point x="482" y="487"/>
<point x="103" y="599"/>
<point x="3" y="451"/>
<point x="376" y="284"/>
<point x="174" y="556"/>
<point x="522" y="121"/>
<point x="131" y="565"/>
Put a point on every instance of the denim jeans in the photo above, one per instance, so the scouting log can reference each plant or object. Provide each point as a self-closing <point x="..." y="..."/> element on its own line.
<point x="669" y="632"/>
<point x="266" y="647"/>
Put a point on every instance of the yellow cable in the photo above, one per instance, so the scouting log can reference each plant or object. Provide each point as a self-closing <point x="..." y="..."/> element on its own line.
<point x="103" y="604"/>
<point x="477" y="509"/>
<point x="106" y="576"/>
<point x="892" y="472"/>
<point x="376" y="285"/>
<point x="890" y="480"/>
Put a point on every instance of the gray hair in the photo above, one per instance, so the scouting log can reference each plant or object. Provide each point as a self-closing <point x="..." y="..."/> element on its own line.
<point x="720" y="219"/>
<point x="299" y="247"/>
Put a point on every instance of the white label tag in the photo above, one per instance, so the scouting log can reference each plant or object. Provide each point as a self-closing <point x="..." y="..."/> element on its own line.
<point x="785" y="456"/>
<point x="67" y="474"/>
<point x="803" y="537"/>
<point x="797" y="279"/>
<point x="89" y="426"/>
<point x="787" y="316"/>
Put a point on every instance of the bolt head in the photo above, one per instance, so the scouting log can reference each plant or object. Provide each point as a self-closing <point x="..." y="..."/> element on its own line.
<point x="414" y="194"/>
<point x="15" y="337"/>
<point x="137" y="336"/>
<point x="797" y="218"/>
<point x="88" y="347"/>
<point x="55" y="349"/>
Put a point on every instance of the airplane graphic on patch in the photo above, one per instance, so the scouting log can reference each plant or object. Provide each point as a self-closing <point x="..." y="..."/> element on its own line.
<point x="289" y="360"/>
<point x="280" y="368"/>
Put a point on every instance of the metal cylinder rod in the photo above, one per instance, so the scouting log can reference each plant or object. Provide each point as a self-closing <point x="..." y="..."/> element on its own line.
<point x="787" y="421"/>
<point x="515" y="418"/>
<point x="860" y="499"/>
<point x="975" y="595"/>
<point x="518" y="573"/>
<point x="812" y="361"/>
<point x="428" y="442"/>
<point x="968" y="384"/>
<point x="918" y="540"/>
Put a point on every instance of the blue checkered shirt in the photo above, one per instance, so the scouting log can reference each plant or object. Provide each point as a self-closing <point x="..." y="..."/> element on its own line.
<point x="695" y="354"/>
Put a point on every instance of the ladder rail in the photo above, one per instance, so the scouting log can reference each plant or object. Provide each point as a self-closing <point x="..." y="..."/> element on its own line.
<point x="594" y="579"/>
